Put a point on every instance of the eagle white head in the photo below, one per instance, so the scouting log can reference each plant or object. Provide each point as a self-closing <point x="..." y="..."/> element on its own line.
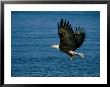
<point x="55" y="46"/>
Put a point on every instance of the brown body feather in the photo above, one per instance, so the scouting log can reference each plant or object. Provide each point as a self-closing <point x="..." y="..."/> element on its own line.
<point x="70" y="39"/>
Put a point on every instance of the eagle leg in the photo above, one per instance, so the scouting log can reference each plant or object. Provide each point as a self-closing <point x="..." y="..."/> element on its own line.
<point x="75" y="53"/>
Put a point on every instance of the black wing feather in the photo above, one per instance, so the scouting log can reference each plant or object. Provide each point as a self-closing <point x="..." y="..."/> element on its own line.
<point x="66" y="35"/>
<point x="80" y="35"/>
<point x="70" y="39"/>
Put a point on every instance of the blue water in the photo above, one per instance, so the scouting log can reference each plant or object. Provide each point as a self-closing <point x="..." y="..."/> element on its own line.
<point x="32" y="34"/>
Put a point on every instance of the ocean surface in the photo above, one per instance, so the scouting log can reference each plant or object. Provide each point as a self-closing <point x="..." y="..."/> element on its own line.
<point x="32" y="34"/>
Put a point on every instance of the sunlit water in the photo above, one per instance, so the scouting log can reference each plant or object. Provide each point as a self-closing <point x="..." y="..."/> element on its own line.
<point x="34" y="32"/>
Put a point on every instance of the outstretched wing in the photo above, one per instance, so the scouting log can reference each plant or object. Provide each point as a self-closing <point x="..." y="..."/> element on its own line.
<point x="66" y="35"/>
<point x="79" y="35"/>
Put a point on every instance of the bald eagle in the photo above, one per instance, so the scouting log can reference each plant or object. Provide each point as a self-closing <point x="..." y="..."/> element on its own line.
<point x="70" y="39"/>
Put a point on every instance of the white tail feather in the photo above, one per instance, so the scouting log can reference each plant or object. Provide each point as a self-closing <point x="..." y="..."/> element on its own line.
<point x="81" y="55"/>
